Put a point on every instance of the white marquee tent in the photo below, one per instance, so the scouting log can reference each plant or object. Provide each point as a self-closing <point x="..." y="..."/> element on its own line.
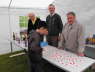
<point x="10" y="10"/>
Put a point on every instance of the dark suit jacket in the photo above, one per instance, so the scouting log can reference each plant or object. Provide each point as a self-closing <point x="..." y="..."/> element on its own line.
<point x="32" y="26"/>
<point x="34" y="40"/>
<point x="54" y="24"/>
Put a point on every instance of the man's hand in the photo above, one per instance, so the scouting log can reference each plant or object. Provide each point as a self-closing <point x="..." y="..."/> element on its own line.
<point x="59" y="38"/>
<point x="61" y="48"/>
<point x="80" y="54"/>
<point x="42" y="31"/>
<point x="46" y="32"/>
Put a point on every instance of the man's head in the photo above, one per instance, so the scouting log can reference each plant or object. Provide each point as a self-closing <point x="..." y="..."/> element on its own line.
<point x="42" y="29"/>
<point x="31" y="16"/>
<point x="71" y="17"/>
<point x="51" y="8"/>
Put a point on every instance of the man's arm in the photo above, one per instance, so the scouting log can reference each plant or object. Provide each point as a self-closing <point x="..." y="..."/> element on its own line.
<point x="81" y="40"/>
<point x="60" y="24"/>
<point x="47" y="21"/>
<point x="33" y="40"/>
<point x="61" y="41"/>
<point x="28" y="30"/>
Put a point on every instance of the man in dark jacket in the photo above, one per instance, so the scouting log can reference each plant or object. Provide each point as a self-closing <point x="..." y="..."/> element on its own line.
<point x="33" y="22"/>
<point x="55" y="26"/>
<point x="34" y="48"/>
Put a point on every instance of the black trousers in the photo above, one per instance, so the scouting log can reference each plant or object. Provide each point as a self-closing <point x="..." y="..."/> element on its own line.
<point x="52" y="40"/>
<point x="35" y="59"/>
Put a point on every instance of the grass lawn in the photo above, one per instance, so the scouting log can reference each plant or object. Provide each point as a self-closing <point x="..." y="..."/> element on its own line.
<point x="19" y="64"/>
<point x="15" y="64"/>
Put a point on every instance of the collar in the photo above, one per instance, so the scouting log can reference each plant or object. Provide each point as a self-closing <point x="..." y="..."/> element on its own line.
<point x="34" y="20"/>
<point x="52" y="14"/>
<point x="73" y="24"/>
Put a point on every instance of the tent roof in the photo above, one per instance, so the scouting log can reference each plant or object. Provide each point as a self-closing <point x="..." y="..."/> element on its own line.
<point x="25" y="3"/>
<point x="4" y="3"/>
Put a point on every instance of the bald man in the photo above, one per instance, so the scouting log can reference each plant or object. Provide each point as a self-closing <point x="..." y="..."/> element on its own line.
<point x="33" y="22"/>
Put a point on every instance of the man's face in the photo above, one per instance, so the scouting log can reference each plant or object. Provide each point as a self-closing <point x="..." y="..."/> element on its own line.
<point x="70" y="19"/>
<point x="31" y="16"/>
<point x="51" y="9"/>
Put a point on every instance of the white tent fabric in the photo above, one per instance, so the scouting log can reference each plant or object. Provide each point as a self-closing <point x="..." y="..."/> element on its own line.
<point x="4" y="3"/>
<point x="25" y="3"/>
<point x="14" y="25"/>
<point x="31" y="3"/>
<point x="84" y="9"/>
<point x="10" y="10"/>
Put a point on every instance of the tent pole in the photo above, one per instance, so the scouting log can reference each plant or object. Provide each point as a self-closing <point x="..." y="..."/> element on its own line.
<point x="10" y="30"/>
